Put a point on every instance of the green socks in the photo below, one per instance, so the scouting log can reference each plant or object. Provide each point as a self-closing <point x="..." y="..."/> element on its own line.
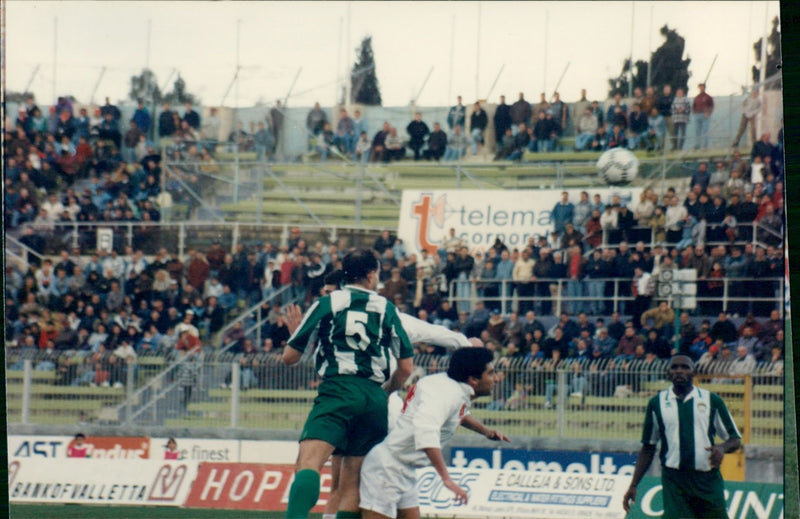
<point x="348" y="515"/>
<point x="303" y="495"/>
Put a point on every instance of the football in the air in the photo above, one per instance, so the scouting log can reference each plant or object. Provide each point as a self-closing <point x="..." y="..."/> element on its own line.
<point x="618" y="166"/>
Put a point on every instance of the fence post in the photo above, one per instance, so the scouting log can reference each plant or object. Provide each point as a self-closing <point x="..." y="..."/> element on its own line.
<point x="561" y="382"/>
<point x="130" y="235"/>
<point x="129" y="383"/>
<point x="748" y="409"/>
<point x="26" y="390"/>
<point x="75" y="241"/>
<point x="235" y="385"/>
<point x="181" y="239"/>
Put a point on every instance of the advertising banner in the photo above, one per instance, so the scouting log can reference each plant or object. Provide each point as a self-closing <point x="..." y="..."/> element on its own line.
<point x="108" y="447"/>
<point x="248" y="486"/>
<point x="481" y="216"/>
<point x="744" y="500"/>
<point x="99" y="481"/>
<point x="275" y="452"/>
<point x="516" y="493"/>
<point x="197" y="449"/>
<point x="570" y="462"/>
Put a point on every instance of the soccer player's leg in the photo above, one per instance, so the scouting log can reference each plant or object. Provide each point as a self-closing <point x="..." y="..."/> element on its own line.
<point x="305" y="488"/>
<point x="333" y="498"/>
<point x="388" y="487"/>
<point x="325" y="430"/>
<point x="675" y="492"/>
<point x="367" y="429"/>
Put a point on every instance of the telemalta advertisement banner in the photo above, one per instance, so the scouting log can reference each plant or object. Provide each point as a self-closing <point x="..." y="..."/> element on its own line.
<point x="523" y="494"/>
<point x="100" y="481"/>
<point x="481" y="216"/>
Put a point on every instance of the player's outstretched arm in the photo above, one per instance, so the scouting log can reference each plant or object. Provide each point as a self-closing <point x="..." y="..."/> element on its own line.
<point x="437" y="461"/>
<point x="473" y="424"/>
<point x="646" y="455"/>
<point x="404" y="369"/>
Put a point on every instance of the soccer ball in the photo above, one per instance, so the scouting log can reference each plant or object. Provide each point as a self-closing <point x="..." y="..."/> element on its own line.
<point x="617" y="166"/>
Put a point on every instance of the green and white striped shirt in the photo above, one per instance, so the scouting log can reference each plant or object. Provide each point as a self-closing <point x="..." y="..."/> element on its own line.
<point x="356" y="332"/>
<point x="687" y="428"/>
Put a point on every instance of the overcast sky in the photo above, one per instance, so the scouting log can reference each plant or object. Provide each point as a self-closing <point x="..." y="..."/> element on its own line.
<point x="532" y="42"/>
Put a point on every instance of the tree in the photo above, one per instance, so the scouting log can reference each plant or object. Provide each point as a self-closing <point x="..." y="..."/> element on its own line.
<point x="773" y="57"/>
<point x="364" y="81"/>
<point x="669" y="67"/>
<point x="179" y="95"/>
<point x="145" y="87"/>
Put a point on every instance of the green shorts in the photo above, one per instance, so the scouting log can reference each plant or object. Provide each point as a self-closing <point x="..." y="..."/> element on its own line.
<point x="692" y="493"/>
<point x="350" y="413"/>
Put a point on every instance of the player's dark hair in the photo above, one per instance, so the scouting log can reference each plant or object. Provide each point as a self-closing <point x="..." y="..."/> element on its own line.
<point x="80" y="435"/>
<point x="468" y="362"/>
<point x="334" y="278"/>
<point x="357" y="264"/>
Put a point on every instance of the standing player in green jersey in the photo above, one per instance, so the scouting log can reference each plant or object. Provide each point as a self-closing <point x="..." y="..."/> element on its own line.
<point x="356" y="332"/>
<point x="685" y="419"/>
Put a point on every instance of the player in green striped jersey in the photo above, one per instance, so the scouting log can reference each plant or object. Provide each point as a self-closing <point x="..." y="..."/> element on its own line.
<point x="685" y="419"/>
<point x="356" y="331"/>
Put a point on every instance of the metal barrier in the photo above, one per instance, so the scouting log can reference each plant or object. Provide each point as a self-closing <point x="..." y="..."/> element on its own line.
<point x="569" y="399"/>
<point x="182" y="236"/>
<point x="603" y="296"/>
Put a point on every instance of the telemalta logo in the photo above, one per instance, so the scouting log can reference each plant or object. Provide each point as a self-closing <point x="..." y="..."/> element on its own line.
<point x="426" y="212"/>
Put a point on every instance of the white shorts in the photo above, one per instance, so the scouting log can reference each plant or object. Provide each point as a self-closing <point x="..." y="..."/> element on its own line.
<point x="386" y="484"/>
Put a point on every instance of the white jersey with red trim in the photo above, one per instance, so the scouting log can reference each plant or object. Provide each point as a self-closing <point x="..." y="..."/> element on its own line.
<point x="431" y="413"/>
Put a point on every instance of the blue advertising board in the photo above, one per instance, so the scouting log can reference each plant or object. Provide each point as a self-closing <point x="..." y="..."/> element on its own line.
<point x="578" y="462"/>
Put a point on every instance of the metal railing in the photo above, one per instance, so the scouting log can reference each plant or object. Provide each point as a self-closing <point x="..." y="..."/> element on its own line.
<point x="603" y="296"/>
<point x="182" y="236"/>
<point x="533" y="397"/>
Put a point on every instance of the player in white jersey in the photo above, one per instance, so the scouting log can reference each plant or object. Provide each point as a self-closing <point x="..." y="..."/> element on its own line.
<point x="418" y="331"/>
<point x="433" y="410"/>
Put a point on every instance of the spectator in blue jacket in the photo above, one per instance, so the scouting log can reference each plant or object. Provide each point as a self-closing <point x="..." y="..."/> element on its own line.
<point x="563" y="212"/>
<point x="142" y="117"/>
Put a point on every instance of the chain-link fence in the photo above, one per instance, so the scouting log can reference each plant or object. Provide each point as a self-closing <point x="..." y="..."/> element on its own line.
<point x="600" y="399"/>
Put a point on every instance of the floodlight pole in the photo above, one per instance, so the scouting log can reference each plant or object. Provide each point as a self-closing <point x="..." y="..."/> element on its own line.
<point x="236" y="118"/>
<point x="348" y="64"/>
<point x="55" y="55"/>
<point x="495" y="81"/>
<point x="452" y="51"/>
<point x="30" y="81"/>
<point x="97" y="84"/>
<point x="544" y="66"/>
<point x="478" y="55"/>
<point x="630" y="68"/>
<point x="650" y="49"/>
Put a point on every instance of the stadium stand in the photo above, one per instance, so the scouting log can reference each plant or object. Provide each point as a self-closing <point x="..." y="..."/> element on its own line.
<point x="88" y="330"/>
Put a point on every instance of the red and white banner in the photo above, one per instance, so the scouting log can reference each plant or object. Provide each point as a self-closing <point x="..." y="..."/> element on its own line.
<point x="524" y="494"/>
<point x="480" y="216"/>
<point x="248" y="486"/>
<point x="99" y="447"/>
<point x="99" y="481"/>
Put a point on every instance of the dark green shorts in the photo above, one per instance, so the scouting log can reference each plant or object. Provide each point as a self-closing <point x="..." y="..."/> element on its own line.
<point x="692" y="494"/>
<point x="350" y="413"/>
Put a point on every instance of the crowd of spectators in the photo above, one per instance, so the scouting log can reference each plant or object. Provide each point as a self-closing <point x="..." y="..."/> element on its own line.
<point x="90" y="317"/>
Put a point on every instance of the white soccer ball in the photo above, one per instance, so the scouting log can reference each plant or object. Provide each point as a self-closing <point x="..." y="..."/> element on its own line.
<point x="618" y="166"/>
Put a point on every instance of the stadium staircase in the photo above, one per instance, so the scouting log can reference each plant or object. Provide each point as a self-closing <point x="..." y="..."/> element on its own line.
<point x="326" y="192"/>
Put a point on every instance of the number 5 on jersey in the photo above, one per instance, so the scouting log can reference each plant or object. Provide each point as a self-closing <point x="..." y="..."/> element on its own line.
<point x="356" y="331"/>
